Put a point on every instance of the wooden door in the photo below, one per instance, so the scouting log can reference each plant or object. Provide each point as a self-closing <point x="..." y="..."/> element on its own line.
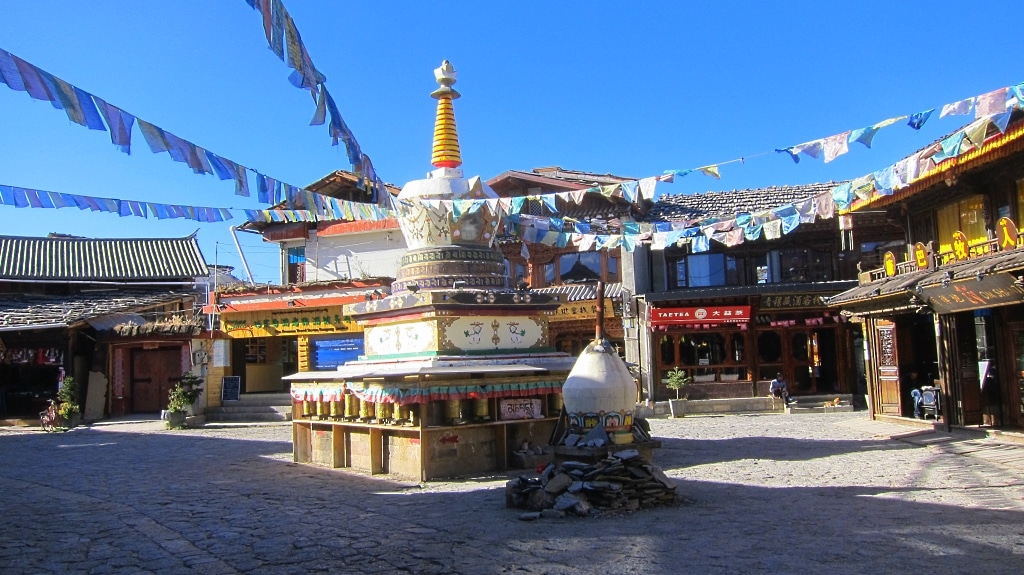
<point x="887" y="373"/>
<point x="1014" y="402"/>
<point x="968" y="381"/>
<point x="153" y="373"/>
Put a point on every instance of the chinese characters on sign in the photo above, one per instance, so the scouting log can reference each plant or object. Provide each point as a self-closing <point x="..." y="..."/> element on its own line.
<point x="1008" y="233"/>
<point x="286" y="322"/>
<point x="921" y="256"/>
<point x="689" y="315"/>
<point x="992" y="290"/>
<point x="790" y="301"/>
<point x="959" y="245"/>
<point x="582" y="310"/>
<point x="890" y="264"/>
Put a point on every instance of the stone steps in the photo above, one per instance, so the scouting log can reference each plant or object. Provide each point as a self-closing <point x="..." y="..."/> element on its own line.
<point x="253" y="408"/>
<point x="805" y="404"/>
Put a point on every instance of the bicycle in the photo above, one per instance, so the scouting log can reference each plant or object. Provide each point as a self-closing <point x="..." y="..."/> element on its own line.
<point x="50" y="418"/>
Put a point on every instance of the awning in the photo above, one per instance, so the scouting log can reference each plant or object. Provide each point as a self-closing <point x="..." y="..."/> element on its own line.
<point x="937" y="287"/>
<point x="109" y="321"/>
<point x="346" y="372"/>
<point x="411" y="394"/>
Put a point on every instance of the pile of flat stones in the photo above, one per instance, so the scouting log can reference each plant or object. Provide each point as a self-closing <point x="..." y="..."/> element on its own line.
<point x="623" y="481"/>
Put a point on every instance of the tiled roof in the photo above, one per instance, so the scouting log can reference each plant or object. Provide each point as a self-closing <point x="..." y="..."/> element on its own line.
<point x="577" y="176"/>
<point x="71" y="258"/>
<point x="582" y="292"/>
<point x="550" y="180"/>
<point x="725" y="205"/>
<point x="34" y="311"/>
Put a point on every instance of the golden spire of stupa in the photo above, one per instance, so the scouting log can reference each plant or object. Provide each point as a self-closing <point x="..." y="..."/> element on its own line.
<point x="446" y="139"/>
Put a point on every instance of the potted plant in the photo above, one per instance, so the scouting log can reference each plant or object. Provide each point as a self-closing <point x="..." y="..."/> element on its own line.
<point x="180" y="399"/>
<point x="677" y="380"/>
<point x="69" y="410"/>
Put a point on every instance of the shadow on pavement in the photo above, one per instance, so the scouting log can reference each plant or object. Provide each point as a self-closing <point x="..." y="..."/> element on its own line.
<point x="205" y="501"/>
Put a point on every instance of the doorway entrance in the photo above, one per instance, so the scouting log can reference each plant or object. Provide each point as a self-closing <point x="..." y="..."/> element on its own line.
<point x="153" y="372"/>
<point x="1015" y="405"/>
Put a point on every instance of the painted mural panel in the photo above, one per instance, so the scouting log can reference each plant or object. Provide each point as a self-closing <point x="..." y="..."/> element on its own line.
<point x="481" y="333"/>
<point x="400" y="339"/>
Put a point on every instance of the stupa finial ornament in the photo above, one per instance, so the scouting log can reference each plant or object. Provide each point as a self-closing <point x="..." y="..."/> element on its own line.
<point x="446" y="138"/>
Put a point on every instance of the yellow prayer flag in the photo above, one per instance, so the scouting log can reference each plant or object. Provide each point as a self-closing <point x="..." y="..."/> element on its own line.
<point x="711" y="171"/>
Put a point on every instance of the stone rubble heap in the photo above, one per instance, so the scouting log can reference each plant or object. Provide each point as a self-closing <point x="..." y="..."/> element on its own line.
<point x="623" y="481"/>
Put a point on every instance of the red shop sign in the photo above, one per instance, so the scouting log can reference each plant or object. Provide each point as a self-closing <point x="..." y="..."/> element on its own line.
<point x="688" y="315"/>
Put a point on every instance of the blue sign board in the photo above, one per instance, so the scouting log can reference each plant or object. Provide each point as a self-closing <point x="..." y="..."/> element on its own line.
<point x="327" y="354"/>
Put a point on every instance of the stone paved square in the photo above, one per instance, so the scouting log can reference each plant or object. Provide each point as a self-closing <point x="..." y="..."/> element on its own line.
<point x="759" y="494"/>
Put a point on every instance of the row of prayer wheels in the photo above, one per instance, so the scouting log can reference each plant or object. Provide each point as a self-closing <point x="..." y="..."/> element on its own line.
<point x="450" y="411"/>
<point x="352" y="408"/>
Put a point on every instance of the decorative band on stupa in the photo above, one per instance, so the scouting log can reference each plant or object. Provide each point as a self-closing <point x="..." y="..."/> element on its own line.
<point x="446" y="137"/>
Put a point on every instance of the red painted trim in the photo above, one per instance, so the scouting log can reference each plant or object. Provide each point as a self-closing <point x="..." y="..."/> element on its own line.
<point x="339" y="228"/>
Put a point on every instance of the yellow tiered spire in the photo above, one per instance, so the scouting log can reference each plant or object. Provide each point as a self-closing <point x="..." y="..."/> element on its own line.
<point x="446" y="138"/>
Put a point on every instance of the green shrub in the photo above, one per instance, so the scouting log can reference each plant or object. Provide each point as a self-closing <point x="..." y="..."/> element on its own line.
<point x="185" y="392"/>
<point x="67" y="397"/>
<point x="678" y="380"/>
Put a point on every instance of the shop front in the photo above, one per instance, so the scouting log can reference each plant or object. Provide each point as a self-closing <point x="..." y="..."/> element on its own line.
<point x="734" y="349"/>
<point x="31" y="365"/>
<point x="284" y="337"/>
<point x="958" y="327"/>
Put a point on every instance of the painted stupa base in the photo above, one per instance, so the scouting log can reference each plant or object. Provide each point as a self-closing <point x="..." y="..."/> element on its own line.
<point x="427" y="419"/>
<point x="574" y="442"/>
<point x="616" y="425"/>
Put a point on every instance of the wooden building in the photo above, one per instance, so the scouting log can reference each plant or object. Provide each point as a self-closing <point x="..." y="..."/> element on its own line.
<point x="734" y="313"/>
<point x="121" y="316"/>
<point x="946" y="303"/>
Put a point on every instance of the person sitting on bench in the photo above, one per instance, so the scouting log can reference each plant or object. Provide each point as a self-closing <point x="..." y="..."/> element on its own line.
<point x="778" y="388"/>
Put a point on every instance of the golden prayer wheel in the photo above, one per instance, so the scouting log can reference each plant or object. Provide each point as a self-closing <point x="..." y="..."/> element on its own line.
<point x="320" y="407"/>
<point x="453" y="409"/>
<point x="554" y="403"/>
<point x="481" y="407"/>
<point x="383" y="410"/>
<point x="365" y="410"/>
<point x="335" y="408"/>
<point x="351" y="406"/>
<point x="307" y="408"/>
<point x="402" y="411"/>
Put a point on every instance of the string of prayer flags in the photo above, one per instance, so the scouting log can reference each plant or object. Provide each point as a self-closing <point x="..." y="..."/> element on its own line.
<point x="924" y="162"/>
<point x="92" y="111"/>
<point x="282" y="33"/>
<point x="31" y="198"/>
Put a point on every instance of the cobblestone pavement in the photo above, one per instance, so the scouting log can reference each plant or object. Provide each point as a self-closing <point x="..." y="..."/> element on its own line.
<point x="830" y="493"/>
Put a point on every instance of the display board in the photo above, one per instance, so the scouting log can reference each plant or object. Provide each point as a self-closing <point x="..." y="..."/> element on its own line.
<point x="230" y="387"/>
<point x="326" y="354"/>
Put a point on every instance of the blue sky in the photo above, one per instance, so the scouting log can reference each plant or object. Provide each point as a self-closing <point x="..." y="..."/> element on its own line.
<point x="612" y="87"/>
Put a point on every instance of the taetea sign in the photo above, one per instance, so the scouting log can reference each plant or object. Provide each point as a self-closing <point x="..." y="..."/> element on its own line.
<point x="691" y="315"/>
